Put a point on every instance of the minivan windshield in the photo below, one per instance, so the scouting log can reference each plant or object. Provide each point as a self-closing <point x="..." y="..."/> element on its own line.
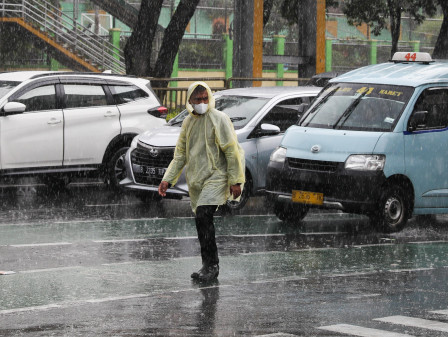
<point x="7" y="86"/>
<point x="240" y="109"/>
<point x="356" y="106"/>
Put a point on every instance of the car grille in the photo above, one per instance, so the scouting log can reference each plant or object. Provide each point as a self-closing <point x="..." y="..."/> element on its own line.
<point x="150" y="157"/>
<point x="313" y="165"/>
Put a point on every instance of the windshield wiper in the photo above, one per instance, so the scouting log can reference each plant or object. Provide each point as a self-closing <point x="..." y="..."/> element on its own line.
<point x="349" y="111"/>
<point x="235" y="119"/>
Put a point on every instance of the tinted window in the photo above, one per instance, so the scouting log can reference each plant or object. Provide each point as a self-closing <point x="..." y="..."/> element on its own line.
<point x="354" y="106"/>
<point x="240" y="109"/>
<point x="83" y="95"/>
<point x="281" y="115"/>
<point x="435" y="102"/>
<point x="127" y="93"/>
<point x="41" y="98"/>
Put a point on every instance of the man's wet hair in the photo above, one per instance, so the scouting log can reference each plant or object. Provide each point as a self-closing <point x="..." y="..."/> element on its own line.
<point x="198" y="89"/>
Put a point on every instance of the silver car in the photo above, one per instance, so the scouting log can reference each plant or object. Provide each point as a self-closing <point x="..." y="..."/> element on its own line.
<point x="260" y="117"/>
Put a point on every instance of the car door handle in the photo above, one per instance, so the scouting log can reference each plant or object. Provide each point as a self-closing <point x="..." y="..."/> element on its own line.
<point x="109" y="114"/>
<point x="54" y="121"/>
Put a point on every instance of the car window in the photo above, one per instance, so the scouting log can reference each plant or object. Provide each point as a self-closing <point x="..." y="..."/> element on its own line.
<point x="127" y="93"/>
<point x="7" y="86"/>
<point x="282" y="116"/>
<point x="240" y="109"/>
<point x="84" y="95"/>
<point x="38" y="99"/>
<point x="435" y="102"/>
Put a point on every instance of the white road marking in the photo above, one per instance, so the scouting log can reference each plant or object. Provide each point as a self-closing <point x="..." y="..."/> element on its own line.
<point x="424" y="242"/>
<point x="440" y="312"/>
<point x="41" y="244"/>
<point x="255" y="235"/>
<point x="323" y="233"/>
<point x="356" y="297"/>
<point x="278" y="334"/>
<point x="415" y="322"/>
<point x="182" y="237"/>
<point x="118" y="241"/>
<point x="281" y="279"/>
<point x="374" y="245"/>
<point x="361" y="331"/>
<point x="352" y="274"/>
<point x="409" y="270"/>
<point x="262" y="253"/>
<point x="47" y="270"/>
<point x="36" y="308"/>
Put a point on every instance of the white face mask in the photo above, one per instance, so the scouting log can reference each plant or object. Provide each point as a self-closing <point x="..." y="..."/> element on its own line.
<point x="201" y="108"/>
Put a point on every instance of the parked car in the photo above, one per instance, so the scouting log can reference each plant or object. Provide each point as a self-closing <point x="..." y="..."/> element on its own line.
<point x="260" y="117"/>
<point x="374" y="142"/>
<point x="55" y="125"/>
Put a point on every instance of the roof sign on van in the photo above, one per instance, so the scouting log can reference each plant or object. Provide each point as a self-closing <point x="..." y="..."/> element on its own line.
<point x="411" y="57"/>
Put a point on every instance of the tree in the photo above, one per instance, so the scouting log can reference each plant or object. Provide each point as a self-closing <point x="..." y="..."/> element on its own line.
<point x="139" y="46"/>
<point x="441" y="46"/>
<point x="376" y="12"/>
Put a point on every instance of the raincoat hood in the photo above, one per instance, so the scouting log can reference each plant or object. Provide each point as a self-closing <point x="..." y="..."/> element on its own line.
<point x="211" y="99"/>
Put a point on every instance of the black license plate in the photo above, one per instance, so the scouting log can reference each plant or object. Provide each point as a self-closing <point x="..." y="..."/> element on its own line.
<point x="154" y="172"/>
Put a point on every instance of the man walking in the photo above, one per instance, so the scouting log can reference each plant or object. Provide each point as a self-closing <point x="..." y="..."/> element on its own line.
<point x="208" y="147"/>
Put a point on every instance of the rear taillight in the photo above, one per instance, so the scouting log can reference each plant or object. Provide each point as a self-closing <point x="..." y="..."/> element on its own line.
<point x="159" y="112"/>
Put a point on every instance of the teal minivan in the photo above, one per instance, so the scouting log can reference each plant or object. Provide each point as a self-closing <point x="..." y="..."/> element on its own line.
<point x="374" y="142"/>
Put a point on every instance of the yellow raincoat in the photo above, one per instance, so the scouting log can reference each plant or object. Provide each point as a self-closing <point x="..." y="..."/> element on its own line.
<point x="208" y="147"/>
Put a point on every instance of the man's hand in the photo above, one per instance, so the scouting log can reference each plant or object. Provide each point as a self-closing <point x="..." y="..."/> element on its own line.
<point x="162" y="188"/>
<point x="235" y="191"/>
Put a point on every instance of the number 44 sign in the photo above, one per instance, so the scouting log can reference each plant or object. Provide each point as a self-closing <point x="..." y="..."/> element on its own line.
<point x="411" y="57"/>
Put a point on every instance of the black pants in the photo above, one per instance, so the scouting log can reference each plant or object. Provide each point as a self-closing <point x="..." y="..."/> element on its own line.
<point x="206" y="234"/>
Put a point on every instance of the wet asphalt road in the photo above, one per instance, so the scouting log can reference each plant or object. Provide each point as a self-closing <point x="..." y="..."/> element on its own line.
<point x="90" y="262"/>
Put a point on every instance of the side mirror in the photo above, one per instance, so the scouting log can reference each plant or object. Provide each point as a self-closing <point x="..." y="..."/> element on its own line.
<point x="418" y="119"/>
<point x="13" y="108"/>
<point x="268" y="130"/>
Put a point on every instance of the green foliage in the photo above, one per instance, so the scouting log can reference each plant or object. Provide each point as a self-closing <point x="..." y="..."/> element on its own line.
<point x="376" y="13"/>
<point x="290" y="9"/>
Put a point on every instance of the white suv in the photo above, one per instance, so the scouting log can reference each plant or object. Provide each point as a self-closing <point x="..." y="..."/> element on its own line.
<point x="57" y="125"/>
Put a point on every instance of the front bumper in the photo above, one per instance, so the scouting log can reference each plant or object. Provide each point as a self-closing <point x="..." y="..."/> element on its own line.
<point x="346" y="190"/>
<point x="137" y="161"/>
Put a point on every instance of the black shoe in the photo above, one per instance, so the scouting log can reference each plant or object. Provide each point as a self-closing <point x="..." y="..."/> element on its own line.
<point x="209" y="273"/>
<point x="195" y="275"/>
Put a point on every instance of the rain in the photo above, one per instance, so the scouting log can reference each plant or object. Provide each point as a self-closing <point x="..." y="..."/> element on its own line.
<point x="341" y="227"/>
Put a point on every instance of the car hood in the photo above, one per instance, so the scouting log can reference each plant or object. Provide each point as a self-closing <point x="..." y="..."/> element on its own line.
<point x="165" y="136"/>
<point x="328" y="144"/>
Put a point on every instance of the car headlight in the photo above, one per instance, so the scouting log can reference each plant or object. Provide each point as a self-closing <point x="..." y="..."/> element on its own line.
<point x="134" y="142"/>
<point x="278" y="155"/>
<point x="365" y="162"/>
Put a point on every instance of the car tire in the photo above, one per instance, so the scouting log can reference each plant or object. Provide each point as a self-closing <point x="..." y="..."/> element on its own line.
<point x="394" y="210"/>
<point x="289" y="212"/>
<point x="116" y="170"/>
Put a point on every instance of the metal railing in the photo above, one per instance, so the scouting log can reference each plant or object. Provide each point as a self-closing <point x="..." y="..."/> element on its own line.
<point x="174" y="98"/>
<point x="66" y="32"/>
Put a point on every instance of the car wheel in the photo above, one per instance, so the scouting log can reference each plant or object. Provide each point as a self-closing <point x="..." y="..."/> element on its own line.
<point x="116" y="170"/>
<point x="393" y="211"/>
<point x="289" y="212"/>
